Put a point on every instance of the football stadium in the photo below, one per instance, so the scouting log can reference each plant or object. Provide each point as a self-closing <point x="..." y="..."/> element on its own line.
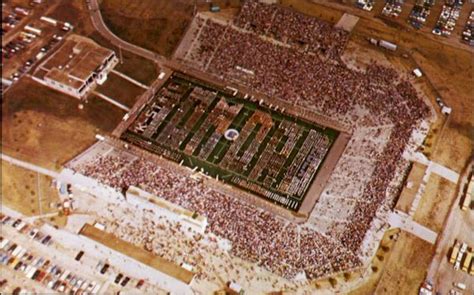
<point x="238" y="141"/>
<point x="243" y="120"/>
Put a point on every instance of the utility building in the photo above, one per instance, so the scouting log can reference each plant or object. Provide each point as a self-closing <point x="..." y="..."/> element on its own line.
<point x="77" y="66"/>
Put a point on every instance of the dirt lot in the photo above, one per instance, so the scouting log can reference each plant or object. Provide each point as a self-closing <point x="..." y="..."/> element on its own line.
<point x="153" y="24"/>
<point x="406" y="267"/>
<point x="435" y="203"/>
<point x="397" y="267"/>
<point x="23" y="190"/>
<point x="120" y="90"/>
<point x="379" y="263"/>
<point x="46" y="127"/>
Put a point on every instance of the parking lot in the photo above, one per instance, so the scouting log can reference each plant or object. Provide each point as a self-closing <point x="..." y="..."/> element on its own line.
<point x="27" y="38"/>
<point x="446" y="19"/>
<point x="468" y="30"/>
<point x="34" y="259"/>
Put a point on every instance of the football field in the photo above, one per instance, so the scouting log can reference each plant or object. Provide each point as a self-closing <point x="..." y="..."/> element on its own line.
<point x="235" y="139"/>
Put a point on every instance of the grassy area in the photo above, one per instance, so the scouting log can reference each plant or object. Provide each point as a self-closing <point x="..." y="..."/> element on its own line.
<point x="46" y="127"/>
<point x="208" y="154"/>
<point x="138" y="68"/>
<point x="29" y="193"/>
<point x="134" y="66"/>
<point x="120" y="90"/>
<point x="153" y="24"/>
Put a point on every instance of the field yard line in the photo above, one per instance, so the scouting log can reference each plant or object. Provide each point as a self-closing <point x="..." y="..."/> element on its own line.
<point x="114" y="102"/>
<point x="131" y="79"/>
<point x="29" y="166"/>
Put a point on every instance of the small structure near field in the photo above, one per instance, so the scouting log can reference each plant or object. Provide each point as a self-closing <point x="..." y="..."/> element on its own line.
<point x="231" y="134"/>
<point x="347" y="22"/>
<point x="417" y="72"/>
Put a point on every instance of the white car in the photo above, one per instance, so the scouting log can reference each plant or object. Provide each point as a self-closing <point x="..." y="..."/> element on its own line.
<point x="457" y="265"/>
<point x="460" y="286"/>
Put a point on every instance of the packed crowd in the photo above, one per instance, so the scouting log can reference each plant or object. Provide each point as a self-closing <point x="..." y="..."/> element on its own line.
<point x="291" y="27"/>
<point x="297" y="75"/>
<point x="321" y="83"/>
<point x="256" y="235"/>
<point x="172" y="241"/>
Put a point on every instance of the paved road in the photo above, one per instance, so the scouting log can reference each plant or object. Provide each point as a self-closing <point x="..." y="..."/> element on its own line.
<point x="100" y="26"/>
<point x="29" y="166"/>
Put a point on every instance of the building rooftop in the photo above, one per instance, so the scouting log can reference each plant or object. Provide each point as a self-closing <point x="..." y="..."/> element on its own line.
<point x="75" y="61"/>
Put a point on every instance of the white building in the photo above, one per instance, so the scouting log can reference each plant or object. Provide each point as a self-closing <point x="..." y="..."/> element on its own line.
<point x="77" y="66"/>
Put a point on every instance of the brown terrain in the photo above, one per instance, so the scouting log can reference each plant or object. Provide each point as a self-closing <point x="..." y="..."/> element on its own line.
<point x="29" y="193"/>
<point x="153" y="24"/>
<point x="46" y="127"/>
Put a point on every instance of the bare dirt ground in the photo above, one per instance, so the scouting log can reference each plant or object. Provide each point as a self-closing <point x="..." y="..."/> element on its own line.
<point x="415" y="256"/>
<point x="153" y="24"/>
<point x="46" y="127"/>
<point x="29" y="193"/>
<point x="435" y="203"/>
<point x="397" y="267"/>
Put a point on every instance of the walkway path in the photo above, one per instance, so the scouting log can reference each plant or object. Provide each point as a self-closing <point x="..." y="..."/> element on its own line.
<point x="100" y="26"/>
<point x="405" y="222"/>
<point x="434" y="167"/>
<point x="130" y="79"/>
<point x="29" y="166"/>
<point x="112" y="101"/>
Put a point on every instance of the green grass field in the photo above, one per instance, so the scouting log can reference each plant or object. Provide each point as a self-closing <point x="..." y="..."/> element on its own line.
<point x="203" y="146"/>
